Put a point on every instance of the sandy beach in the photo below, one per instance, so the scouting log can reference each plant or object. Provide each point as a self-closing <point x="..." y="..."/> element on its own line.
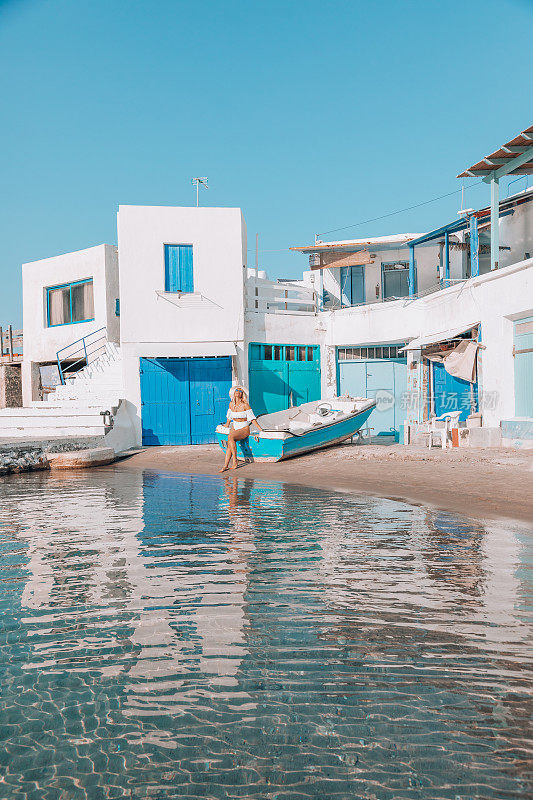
<point x="478" y="483"/>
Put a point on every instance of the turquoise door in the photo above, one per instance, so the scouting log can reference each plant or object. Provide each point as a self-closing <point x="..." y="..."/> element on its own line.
<point x="523" y="367"/>
<point x="451" y="393"/>
<point x="183" y="399"/>
<point x="382" y="379"/>
<point x="282" y="376"/>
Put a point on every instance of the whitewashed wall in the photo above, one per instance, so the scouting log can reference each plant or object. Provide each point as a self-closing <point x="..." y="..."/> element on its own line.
<point x="210" y="321"/>
<point x="495" y="300"/>
<point x="41" y="343"/>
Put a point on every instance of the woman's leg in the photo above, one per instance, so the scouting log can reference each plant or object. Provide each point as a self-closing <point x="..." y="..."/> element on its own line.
<point x="228" y="457"/>
<point x="237" y="436"/>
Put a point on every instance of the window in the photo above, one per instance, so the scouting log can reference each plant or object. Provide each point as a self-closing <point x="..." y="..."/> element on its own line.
<point x="352" y="286"/>
<point x="289" y="353"/>
<point x="178" y="268"/>
<point x="395" y="280"/>
<point x="354" y="353"/>
<point x="69" y="303"/>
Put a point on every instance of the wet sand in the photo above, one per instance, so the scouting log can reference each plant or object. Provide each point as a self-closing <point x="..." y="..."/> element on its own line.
<point x="478" y="483"/>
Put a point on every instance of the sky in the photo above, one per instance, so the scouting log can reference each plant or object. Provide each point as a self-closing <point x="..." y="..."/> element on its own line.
<point x="309" y="115"/>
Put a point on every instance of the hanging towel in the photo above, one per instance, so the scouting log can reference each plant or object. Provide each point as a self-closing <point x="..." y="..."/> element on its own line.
<point x="461" y="362"/>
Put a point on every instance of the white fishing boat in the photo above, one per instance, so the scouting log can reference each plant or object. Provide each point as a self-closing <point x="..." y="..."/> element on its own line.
<point x="311" y="426"/>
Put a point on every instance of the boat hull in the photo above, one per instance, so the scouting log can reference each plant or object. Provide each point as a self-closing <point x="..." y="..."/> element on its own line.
<point x="277" y="446"/>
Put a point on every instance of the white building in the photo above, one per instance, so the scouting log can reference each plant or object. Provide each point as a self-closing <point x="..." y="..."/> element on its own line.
<point x="375" y="317"/>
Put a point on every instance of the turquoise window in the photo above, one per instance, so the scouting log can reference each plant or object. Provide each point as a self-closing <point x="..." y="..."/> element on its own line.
<point x="70" y="303"/>
<point x="178" y="268"/>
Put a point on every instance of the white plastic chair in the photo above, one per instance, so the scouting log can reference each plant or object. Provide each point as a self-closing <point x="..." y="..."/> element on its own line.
<point x="442" y="431"/>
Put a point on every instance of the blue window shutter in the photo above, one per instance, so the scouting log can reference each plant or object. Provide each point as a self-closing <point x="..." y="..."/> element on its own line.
<point x="178" y="268"/>
<point x="186" y="271"/>
<point x="346" y="286"/>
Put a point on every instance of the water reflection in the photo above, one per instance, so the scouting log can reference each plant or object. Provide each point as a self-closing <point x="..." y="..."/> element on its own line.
<point x="172" y="635"/>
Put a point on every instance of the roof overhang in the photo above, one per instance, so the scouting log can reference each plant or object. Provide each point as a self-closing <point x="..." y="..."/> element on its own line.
<point x="442" y="336"/>
<point x="512" y="158"/>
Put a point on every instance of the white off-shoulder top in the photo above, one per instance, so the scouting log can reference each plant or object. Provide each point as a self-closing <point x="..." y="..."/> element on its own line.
<point x="246" y="414"/>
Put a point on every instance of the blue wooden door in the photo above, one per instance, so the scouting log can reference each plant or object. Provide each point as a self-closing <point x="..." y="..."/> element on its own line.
<point x="209" y="382"/>
<point x="281" y="375"/>
<point x="523" y="367"/>
<point x="183" y="399"/>
<point x="380" y="387"/>
<point x="384" y="380"/>
<point x="451" y="393"/>
<point x="165" y="405"/>
<point x="352" y="378"/>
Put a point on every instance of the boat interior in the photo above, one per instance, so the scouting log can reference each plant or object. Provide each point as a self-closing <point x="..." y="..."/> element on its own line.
<point x="316" y="414"/>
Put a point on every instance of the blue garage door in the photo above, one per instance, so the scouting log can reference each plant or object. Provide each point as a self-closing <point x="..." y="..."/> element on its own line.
<point x="451" y="393"/>
<point x="183" y="399"/>
<point x="283" y="375"/>
<point x="379" y="372"/>
<point x="523" y="367"/>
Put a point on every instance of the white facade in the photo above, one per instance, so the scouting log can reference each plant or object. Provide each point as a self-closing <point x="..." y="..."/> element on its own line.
<point x="207" y="322"/>
<point x="41" y="341"/>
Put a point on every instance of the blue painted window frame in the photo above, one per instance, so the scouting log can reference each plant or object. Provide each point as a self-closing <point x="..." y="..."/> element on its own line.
<point x="406" y="269"/>
<point x="179" y="268"/>
<point x="347" y="285"/>
<point x="69" y="287"/>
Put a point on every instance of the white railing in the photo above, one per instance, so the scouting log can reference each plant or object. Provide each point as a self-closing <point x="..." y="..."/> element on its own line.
<point x="279" y="298"/>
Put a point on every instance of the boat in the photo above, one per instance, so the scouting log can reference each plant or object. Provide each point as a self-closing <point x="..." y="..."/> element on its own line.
<point x="301" y="429"/>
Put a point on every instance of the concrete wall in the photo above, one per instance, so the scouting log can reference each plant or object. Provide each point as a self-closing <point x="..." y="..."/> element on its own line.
<point x="41" y="343"/>
<point x="209" y="321"/>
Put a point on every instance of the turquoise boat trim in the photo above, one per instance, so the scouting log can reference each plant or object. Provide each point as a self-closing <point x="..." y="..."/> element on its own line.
<point x="278" y="445"/>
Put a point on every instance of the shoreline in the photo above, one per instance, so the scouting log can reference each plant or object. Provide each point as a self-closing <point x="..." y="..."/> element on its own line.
<point x="485" y="484"/>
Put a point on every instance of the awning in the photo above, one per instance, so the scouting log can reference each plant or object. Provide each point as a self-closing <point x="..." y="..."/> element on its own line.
<point x="435" y="338"/>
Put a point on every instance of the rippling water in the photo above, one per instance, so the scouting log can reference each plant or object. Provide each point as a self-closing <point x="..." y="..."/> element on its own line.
<point x="169" y="636"/>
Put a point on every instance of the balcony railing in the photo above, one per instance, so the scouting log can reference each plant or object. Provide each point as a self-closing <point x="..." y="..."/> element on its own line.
<point x="80" y="353"/>
<point x="279" y="298"/>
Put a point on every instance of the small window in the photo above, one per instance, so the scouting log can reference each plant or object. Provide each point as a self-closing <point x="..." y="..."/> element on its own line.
<point x="364" y="352"/>
<point x="378" y="352"/>
<point x="69" y="303"/>
<point x="289" y="353"/>
<point x="278" y="352"/>
<point x="178" y="268"/>
<point x="310" y="353"/>
<point x="268" y="352"/>
<point x="370" y="351"/>
<point x="301" y="353"/>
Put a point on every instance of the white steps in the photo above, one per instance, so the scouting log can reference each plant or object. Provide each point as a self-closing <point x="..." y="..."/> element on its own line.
<point x="73" y="409"/>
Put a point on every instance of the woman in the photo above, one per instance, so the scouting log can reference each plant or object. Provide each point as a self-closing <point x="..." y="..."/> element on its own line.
<point x="239" y="417"/>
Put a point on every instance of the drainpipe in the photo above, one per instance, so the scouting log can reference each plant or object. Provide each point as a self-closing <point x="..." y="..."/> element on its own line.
<point x="447" y="258"/>
<point x="494" y="222"/>
<point x="474" y="247"/>
<point x="411" y="271"/>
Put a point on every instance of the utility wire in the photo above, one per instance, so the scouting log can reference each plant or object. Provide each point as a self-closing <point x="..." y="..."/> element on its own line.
<point x="399" y="211"/>
<point x="383" y="216"/>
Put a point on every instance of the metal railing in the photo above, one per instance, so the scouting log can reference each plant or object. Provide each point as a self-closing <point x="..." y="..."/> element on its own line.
<point x="10" y="345"/>
<point x="279" y="298"/>
<point x="88" y="349"/>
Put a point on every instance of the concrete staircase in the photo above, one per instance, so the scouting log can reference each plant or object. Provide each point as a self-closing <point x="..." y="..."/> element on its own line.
<point x="74" y="410"/>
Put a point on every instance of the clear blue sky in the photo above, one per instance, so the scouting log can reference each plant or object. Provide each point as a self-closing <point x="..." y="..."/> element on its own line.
<point x="309" y="115"/>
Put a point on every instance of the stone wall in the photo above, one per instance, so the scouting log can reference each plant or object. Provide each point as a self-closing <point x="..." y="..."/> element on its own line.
<point x="10" y="386"/>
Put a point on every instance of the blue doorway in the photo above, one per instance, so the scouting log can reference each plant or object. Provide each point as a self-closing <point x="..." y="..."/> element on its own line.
<point x="183" y="399"/>
<point x="452" y="394"/>
<point x="378" y="372"/>
<point x="283" y="375"/>
<point x="523" y="367"/>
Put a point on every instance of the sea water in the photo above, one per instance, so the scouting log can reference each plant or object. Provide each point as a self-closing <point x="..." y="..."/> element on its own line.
<point x="169" y="636"/>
